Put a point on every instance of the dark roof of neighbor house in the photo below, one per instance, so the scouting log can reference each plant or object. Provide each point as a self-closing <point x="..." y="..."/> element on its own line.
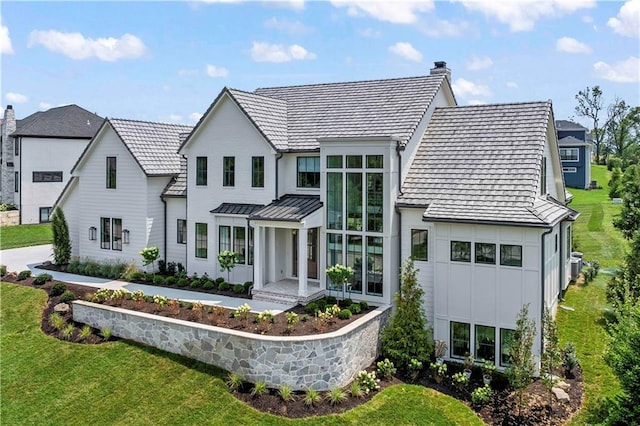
<point x="289" y="208"/>
<point x="69" y="121"/>
<point x="483" y="164"/>
<point x="569" y="125"/>
<point x="237" y="208"/>
<point x="571" y="141"/>
<point x="293" y="118"/>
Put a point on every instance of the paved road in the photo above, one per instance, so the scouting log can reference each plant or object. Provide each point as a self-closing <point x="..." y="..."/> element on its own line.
<point x="29" y="257"/>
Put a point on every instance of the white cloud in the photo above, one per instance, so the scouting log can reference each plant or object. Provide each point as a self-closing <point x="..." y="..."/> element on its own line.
<point x="44" y="105"/>
<point x="265" y="52"/>
<point x="476" y="102"/>
<point x="175" y="117"/>
<point x="587" y="19"/>
<point x="284" y="25"/>
<point x="370" y="33"/>
<point x="477" y="64"/>
<point x="289" y="4"/>
<point x="406" y="51"/>
<point x="405" y="12"/>
<point x="5" y="40"/>
<point x="512" y="84"/>
<point x="188" y="72"/>
<point x="439" y="28"/>
<point x="465" y="88"/>
<point x="522" y="15"/>
<point x="16" y="98"/>
<point x="195" y="116"/>
<point x="627" y="71"/>
<point x="627" y="23"/>
<point x="77" y="46"/>
<point x="571" y="45"/>
<point x="214" y="71"/>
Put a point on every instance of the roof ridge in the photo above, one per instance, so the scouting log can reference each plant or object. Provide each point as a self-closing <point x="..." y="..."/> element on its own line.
<point x="111" y="119"/>
<point x="547" y="102"/>
<point x="351" y="82"/>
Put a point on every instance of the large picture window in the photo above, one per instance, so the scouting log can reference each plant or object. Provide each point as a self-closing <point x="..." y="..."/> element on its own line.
<point x="354" y="201"/>
<point x="228" y="171"/>
<point x="460" y="251"/>
<point x="334" y="256"/>
<point x="460" y="338"/>
<point x="510" y="255"/>
<point x="334" y="200"/>
<point x="374" y="266"/>
<point x="201" y="171"/>
<point x="111" y="172"/>
<point x="569" y="154"/>
<point x="486" y="253"/>
<point x="506" y="340"/>
<point x="354" y="259"/>
<point x="308" y="172"/>
<point x="486" y="342"/>
<point x="47" y="177"/>
<point x="105" y="233"/>
<point x="257" y="172"/>
<point x="182" y="231"/>
<point x="419" y="244"/>
<point x="374" y="202"/>
<point x="201" y="240"/>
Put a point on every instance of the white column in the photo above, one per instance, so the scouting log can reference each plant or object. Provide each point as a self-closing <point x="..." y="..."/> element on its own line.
<point x="270" y="241"/>
<point x="258" y="257"/>
<point x="302" y="262"/>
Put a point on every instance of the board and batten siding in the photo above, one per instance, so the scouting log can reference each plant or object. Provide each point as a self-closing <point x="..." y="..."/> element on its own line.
<point x="225" y="132"/>
<point x="176" y="209"/>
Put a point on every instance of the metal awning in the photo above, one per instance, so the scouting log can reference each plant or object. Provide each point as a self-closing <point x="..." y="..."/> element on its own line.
<point x="289" y="208"/>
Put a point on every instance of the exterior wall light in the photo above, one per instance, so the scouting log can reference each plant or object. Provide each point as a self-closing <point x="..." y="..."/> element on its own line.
<point x="93" y="233"/>
<point x="125" y="236"/>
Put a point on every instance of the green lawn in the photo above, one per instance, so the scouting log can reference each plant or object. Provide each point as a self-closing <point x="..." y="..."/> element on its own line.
<point x="25" y="235"/>
<point x="46" y="381"/>
<point x="596" y="237"/>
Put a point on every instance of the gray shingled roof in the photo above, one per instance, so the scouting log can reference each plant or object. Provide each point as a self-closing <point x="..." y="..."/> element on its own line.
<point x="571" y="141"/>
<point x="482" y="164"/>
<point x="69" y="121"/>
<point x="237" y="208"/>
<point x="153" y="145"/>
<point x="289" y="208"/>
<point x="177" y="186"/>
<point x="569" y="125"/>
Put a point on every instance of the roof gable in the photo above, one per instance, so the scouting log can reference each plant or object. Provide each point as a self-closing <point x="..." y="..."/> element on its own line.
<point x="69" y="121"/>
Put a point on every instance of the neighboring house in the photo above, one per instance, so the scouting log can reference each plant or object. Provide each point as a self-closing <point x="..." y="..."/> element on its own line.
<point x="575" y="143"/>
<point x="39" y="154"/>
<point x="112" y="202"/>
<point x="296" y="179"/>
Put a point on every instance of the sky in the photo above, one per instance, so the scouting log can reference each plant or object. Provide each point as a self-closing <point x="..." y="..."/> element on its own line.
<point x="167" y="61"/>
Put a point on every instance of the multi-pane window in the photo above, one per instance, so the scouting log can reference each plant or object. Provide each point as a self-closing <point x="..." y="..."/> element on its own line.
<point x="569" y="154"/>
<point x="486" y="343"/>
<point x="334" y="256"/>
<point x="510" y="255"/>
<point x="116" y="237"/>
<point x="354" y="161"/>
<point x="374" y="266"/>
<point x="201" y="240"/>
<point x="419" y="244"/>
<point x="111" y="172"/>
<point x="334" y="200"/>
<point x="45" y="212"/>
<point x="239" y="243"/>
<point x="506" y="340"/>
<point x="224" y="238"/>
<point x="354" y="259"/>
<point x="460" y="338"/>
<point x="334" y="161"/>
<point x="105" y="233"/>
<point x="228" y="171"/>
<point x="182" y="231"/>
<point x="201" y="171"/>
<point x="374" y="202"/>
<point x="461" y="251"/>
<point x="486" y="253"/>
<point x="308" y="172"/>
<point x="375" y="161"/>
<point x="250" y="246"/>
<point x="47" y="176"/>
<point x="354" y="201"/>
<point x="257" y="172"/>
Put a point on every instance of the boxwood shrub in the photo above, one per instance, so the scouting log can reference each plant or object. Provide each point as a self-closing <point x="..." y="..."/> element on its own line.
<point x="238" y="288"/>
<point x="57" y="289"/>
<point x="344" y="314"/>
<point x="67" y="296"/>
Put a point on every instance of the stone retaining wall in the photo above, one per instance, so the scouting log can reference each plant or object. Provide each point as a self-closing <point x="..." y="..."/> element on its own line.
<point x="10" y="218"/>
<point x="321" y="362"/>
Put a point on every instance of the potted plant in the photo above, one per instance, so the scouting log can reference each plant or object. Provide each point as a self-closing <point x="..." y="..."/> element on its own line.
<point x="488" y="368"/>
<point x="440" y="348"/>
<point x="468" y="365"/>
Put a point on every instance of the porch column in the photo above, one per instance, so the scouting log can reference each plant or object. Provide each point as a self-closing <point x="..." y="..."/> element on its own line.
<point x="258" y="258"/>
<point x="302" y="262"/>
<point x="270" y="240"/>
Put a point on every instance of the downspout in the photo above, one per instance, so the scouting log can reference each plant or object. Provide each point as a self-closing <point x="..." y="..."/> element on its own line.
<point x="399" y="149"/>
<point x="542" y="274"/>
<point x="20" y="153"/>
<point x="278" y="157"/>
<point x="561" y="262"/>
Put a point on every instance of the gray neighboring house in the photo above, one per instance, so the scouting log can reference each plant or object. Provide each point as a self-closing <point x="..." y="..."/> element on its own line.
<point x="575" y="144"/>
<point x="37" y="156"/>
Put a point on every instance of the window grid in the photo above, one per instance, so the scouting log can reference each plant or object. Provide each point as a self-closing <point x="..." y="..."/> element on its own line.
<point x="308" y="172"/>
<point x="228" y="171"/>
<point x="485" y="337"/>
<point x="569" y="154"/>
<point x="239" y="243"/>
<point x="105" y="233"/>
<point x="116" y="236"/>
<point x="111" y="172"/>
<point x="419" y="244"/>
<point x="224" y="238"/>
<point x="460" y="338"/>
<point x="201" y="171"/>
<point x="257" y="172"/>
<point x="201" y="240"/>
<point x="182" y="231"/>
<point x="47" y="177"/>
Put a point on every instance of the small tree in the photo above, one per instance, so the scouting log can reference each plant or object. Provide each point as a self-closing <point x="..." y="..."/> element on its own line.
<point x="520" y="372"/>
<point x="407" y="336"/>
<point x="149" y="256"/>
<point x="227" y="260"/>
<point x="629" y="220"/>
<point x="341" y="275"/>
<point x="61" y="241"/>
<point x="551" y="357"/>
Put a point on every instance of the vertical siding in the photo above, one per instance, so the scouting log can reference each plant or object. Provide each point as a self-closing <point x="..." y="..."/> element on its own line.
<point x="155" y="213"/>
<point x="71" y="209"/>
<point x="176" y="209"/>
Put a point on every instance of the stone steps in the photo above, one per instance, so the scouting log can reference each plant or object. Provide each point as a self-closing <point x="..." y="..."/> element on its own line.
<point x="290" y="299"/>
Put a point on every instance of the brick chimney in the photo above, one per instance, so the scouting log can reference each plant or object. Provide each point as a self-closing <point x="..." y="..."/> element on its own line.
<point x="7" y="174"/>
<point x="440" y="67"/>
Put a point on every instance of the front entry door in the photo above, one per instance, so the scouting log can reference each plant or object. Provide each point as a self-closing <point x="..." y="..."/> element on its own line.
<point x="312" y="253"/>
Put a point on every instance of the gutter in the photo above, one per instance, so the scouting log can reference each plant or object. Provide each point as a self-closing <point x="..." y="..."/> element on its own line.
<point x="278" y="158"/>
<point x="542" y="274"/>
<point x="21" y="154"/>
<point x="399" y="150"/>
<point x="164" y="202"/>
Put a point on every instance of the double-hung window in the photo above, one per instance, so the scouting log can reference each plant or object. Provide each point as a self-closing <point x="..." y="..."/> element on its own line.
<point x="419" y="244"/>
<point x="308" y="175"/>
<point x="201" y="240"/>
<point x="460" y="338"/>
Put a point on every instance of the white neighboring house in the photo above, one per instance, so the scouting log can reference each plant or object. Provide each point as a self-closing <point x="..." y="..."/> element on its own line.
<point x="45" y="147"/>
<point x="113" y="201"/>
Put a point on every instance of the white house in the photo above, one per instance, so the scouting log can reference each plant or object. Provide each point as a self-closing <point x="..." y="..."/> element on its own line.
<point x="296" y="179"/>
<point x="38" y="156"/>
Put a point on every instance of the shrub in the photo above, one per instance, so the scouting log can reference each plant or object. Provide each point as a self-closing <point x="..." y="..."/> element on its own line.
<point x="385" y="369"/>
<point x="3" y="270"/>
<point x="356" y="390"/>
<point x="85" y="332"/>
<point x="292" y="320"/>
<point x="67" y="297"/>
<point x="67" y="332"/>
<point x="346" y="302"/>
<point x="414" y="368"/>
<point x="92" y="268"/>
<point x="344" y="314"/>
<point x="322" y="304"/>
<point x="459" y="380"/>
<point x="223" y="286"/>
<point x="367" y="381"/>
<point x="355" y="308"/>
<point x="219" y="280"/>
<point x="242" y="311"/>
<point x="331" y="300"/>
<point x="61" y="241"/>
<point x="311" y="397"/>
<point x="23" y="275"/>
<point x="209" y="285"/>
<point x="312" y="308"/>
<point x="259" y="388"/>
<point x="56" y="321"/>
<point x="336" y="396"/>
<point x="570" y="358"/>
<point x="234" y="381"/>
<point x="196" y="283"/>
<point x="247" y="285"/>
<point x="57" y="289"/>
<point x="304" y="318"/>
<point x="106" y="333"/>
<point x="438" y="371"/>
<point x="170" y="280"/>
<point x="182" y="282"/>
<point x="286" y="393"/>
<point x="481" y="396"/>
<point x="158" y="280"/>
<point x="162" y="266"/>
<point x="364" y="305"/>
<point x="160" y="300"/>
<point x="238" y="289"/>
<point x="42" y="278"/>
<point x="171" y="268"/>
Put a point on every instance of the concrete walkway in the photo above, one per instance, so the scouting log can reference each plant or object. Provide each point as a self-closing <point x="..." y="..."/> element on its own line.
<point x="29" y="257"/>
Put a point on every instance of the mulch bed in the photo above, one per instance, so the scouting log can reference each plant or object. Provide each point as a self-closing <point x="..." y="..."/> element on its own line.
<point x="540" y="407"/>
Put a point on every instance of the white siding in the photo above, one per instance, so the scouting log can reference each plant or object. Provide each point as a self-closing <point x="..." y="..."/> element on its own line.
<point x="155" y="213"/>
<point x="288" y="179"/>
<point x="176" y="209"/>
<point x="44" y="154"/>
<point x="71" y="208"/>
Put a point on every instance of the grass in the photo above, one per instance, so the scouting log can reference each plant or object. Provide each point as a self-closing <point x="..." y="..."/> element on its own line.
<point x="25" y="235"/>
<point x="48" y="381"/>
<point x="596" y="237"/>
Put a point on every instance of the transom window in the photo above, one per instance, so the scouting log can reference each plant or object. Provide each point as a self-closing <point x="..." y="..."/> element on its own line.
<point x="111" y="172"/>
<point x="308" y="172"/>
<point x="569" y="154"/>
<point x="201" y="240"/>
<point x="47" y="176"/>
<point x="419" y="247"/>
<point x="460" y="251"/>
<point x="460" y="338"/>
<point x="228" y="171"/>
<point x="486" y="342"/>
<point x="201" y="171"/>
<point x="257" y="172"/>
<point x="486" y="253"/>
<point x="510" y="255"/>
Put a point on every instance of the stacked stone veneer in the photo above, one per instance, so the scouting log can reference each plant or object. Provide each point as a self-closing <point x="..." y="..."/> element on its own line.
<point x="321" y="362"/>
<point x="9" y="218"/>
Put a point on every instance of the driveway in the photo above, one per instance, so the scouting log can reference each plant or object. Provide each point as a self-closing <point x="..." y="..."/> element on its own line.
<point x="23" y="258"/>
